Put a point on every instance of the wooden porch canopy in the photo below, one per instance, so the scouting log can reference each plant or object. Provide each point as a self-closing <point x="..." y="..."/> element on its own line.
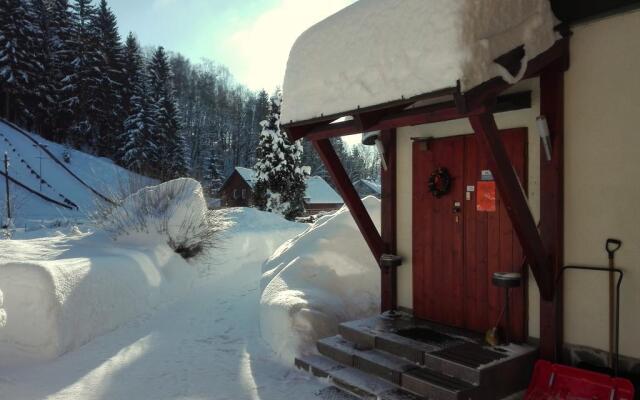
<point x="542" y="247"/>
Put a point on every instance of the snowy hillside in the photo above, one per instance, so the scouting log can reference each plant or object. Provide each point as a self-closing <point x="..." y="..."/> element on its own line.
<point x="48" y="189"/>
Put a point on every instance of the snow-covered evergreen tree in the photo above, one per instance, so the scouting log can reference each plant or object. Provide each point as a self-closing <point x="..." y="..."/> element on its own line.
<point x="139" y="150"/>
<point x="171" y="144"/>
<point x="41" y="103"/>
<point x="61" y="50"/>
<point x="83" y="84"/>
<point x="280" y="185"/>
<point x="18" y="67"/>
<point x="108" y="114"/>
<point x="213" y="178"/>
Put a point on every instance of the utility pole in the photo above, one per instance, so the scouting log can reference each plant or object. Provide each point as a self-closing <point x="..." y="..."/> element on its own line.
<point x="6" y="178"/>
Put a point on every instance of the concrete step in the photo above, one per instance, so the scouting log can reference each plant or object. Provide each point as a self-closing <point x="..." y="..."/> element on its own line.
<point x="367" y="338"/>
<point x="466" y="359"/>
<point x="375" y="362"/>
<point x="351" y="380"/>
<point x="434" y="385"/>
<point x="501" y="370"/>
<point x="395" y="370"/>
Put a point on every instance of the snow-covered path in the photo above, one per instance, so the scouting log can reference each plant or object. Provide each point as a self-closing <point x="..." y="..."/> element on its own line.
<point x="205" y="346"/>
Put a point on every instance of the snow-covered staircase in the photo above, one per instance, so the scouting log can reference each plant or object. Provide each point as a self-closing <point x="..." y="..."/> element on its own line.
<point x="404" y="359"/>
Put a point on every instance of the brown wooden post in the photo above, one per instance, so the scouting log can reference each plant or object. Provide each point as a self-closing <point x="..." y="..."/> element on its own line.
<point x="350" y="196"/>
<point x="514" y="200"/>
<point x="388" y="284"/>
<point x="551" y="208"/>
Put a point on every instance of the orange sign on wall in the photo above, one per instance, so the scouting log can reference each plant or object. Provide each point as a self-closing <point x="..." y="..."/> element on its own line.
<point x="486" y="196"/>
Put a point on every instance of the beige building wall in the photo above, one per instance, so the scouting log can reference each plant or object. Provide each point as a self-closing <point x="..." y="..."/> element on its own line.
<point x="602" y="178"/>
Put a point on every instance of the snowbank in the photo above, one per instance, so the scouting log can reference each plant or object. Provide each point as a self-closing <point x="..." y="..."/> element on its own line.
<point x="173" y="212"/>
<point x="62" y="291"/>
<point x="397" y="49"/>
<point x="316" y="280"/>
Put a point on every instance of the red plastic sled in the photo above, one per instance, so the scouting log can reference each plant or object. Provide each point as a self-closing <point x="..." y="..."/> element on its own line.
<point x="558" y="382"/>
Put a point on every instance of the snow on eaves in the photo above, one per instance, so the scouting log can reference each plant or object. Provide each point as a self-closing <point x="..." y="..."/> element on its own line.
<point x="377" y="51"/>
<point x="319" y="192"/>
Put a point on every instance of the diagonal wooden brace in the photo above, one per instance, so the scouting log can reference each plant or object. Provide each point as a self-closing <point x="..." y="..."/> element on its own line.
<point x="350" y="196"/>
<point x="515" y="201"/>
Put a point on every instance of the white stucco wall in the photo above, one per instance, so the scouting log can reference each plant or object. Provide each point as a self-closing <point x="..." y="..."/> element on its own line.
<point x="602" y="178"/>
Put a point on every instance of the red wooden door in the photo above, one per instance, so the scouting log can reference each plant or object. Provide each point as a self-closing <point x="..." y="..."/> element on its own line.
<point x="456" y="252"/>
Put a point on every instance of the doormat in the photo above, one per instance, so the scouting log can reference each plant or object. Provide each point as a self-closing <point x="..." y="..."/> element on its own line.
<point x="426" y="335"/>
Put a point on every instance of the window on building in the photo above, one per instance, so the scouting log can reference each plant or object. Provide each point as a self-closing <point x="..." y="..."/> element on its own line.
<point x="244" y="193"/>
<point x="235" y="193"/>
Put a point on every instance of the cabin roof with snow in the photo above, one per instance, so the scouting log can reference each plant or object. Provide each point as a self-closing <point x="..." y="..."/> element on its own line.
<point x="248" y="175"/>
<point x="319" y="192"/>
<point x="390" y="53"/>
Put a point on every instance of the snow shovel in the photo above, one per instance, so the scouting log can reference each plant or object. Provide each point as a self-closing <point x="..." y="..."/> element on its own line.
<point x="611" y="247"/>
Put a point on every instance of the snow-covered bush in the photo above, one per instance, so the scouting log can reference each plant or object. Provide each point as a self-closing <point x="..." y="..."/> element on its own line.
<point x="173" y="212"/>
<point x="316" y="280"/>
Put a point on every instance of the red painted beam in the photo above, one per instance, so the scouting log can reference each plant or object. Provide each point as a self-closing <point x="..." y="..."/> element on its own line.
<point x="415" y="116"/>
<point x="515" y="201"/>
<point x="350" y="196"/>
<point x="552" y="209"/>
<point x="389" y="280"/>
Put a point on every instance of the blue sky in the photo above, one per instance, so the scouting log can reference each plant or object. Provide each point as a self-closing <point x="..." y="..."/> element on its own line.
<point x="251" y="37"/>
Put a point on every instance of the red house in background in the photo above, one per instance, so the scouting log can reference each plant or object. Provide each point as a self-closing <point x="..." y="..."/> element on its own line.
<point x="237" y="191"/>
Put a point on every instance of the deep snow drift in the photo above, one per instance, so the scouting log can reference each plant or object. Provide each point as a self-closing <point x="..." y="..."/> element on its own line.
<point x="316" y="280"/>
<point x="62" y="291"/>
<point x="65" y="290"/>
<point x="26" y="159"/>
<point x="390" y="50"/>
<point x="205" y="345"/>
<point x="173" y="212"/>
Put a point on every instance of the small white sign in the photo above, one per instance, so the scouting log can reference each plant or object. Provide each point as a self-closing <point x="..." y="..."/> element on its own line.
<point x="471" y="188"/>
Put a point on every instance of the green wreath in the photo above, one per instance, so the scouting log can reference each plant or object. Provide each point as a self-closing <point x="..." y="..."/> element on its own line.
<point x="440" y="182"/>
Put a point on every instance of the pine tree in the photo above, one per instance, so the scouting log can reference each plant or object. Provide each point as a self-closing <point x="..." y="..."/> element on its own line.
<point x="108" y="114"/>
<point x="61" y="50"/>
<point x="357" y="167"/>
<point x="18" y="68"/>
<point x="311" y="158"/>
<point x="138" y="149"/>
<point x="213" y="178"/>
<point x="280" y="185"/>
<point x="170" y="143"/>
<point x="84" y="82"/>
<point x="41" y="101"/>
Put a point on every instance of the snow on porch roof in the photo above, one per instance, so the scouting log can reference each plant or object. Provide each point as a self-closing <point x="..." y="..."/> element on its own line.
<point x="378" y="51"/>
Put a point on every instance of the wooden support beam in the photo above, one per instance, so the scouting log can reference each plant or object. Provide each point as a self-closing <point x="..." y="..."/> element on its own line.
<point x="389" y="280"/>
<point x="514" y="200"/>
<point x="552" y="209"/>
<point x="350" y="196"/>
<point x="397" y="117"/>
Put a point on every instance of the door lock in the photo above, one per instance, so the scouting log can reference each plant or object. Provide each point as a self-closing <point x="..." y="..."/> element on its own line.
<point x="457" y="209"/>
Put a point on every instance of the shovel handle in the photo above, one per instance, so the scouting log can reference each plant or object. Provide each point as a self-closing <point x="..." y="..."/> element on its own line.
<point x="612" y="246"/>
